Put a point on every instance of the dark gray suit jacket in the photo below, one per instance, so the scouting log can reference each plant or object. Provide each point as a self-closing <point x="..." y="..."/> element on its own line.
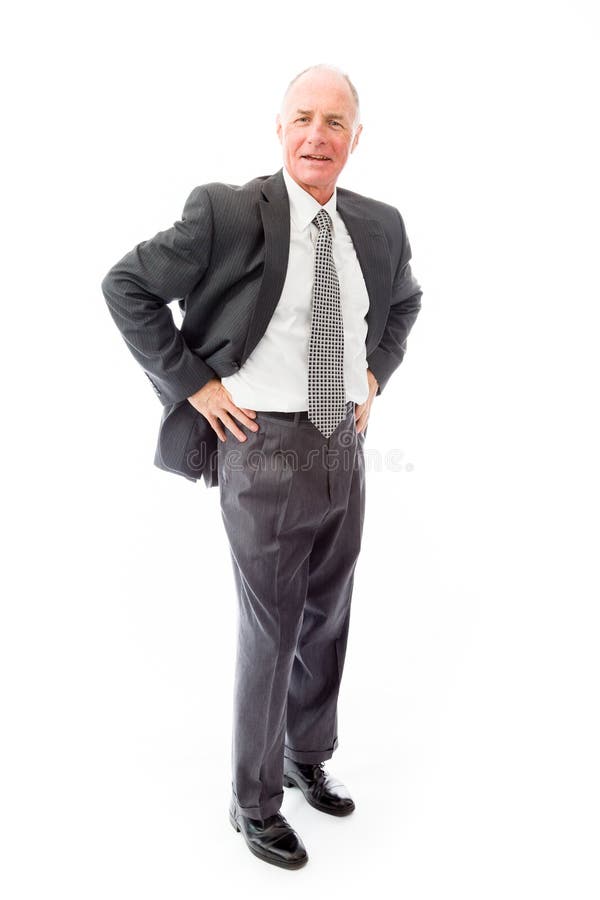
<point x="225" y="262"/>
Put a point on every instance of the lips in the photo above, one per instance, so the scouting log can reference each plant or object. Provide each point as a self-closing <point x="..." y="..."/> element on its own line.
<point x="316" y="157"/>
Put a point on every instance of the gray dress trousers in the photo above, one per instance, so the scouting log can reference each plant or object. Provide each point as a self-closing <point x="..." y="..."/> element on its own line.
<point x="293" y="504"/>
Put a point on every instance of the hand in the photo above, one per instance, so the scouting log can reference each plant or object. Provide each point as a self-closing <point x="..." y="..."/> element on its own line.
<point x="215" y="403"/>
<point x="362" y="410"/>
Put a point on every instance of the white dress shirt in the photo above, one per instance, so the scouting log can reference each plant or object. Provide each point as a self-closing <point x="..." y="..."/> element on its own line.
<point x="275" y="375"/>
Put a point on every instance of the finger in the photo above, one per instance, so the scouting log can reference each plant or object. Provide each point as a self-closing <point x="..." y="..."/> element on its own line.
<point x="362" y="423"/>
<point x="229" y="423"/>
<point x="216" y="427"/>
<point x="242" y="414"/>
<point x="233" y="410"/>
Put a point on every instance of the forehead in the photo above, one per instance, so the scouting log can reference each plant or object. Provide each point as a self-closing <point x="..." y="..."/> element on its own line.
<point x="322" y="92"/>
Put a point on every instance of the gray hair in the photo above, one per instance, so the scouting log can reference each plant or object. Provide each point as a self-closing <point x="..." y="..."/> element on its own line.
<point x="328" y="68"/>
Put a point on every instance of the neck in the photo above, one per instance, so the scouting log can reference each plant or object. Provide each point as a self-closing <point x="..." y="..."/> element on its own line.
<point x="321" y="194"/>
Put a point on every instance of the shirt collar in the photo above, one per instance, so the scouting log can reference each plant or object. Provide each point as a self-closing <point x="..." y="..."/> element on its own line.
<point x="303" y="206"/>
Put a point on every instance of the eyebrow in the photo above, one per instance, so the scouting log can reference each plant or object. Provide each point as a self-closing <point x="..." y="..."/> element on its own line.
<point x="309" y="112"/>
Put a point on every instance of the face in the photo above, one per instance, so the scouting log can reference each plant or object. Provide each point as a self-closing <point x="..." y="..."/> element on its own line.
<point x="317" y="131"/>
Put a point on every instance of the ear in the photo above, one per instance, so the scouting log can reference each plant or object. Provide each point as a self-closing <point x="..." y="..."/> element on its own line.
<point x="356" y="137"/>
<point x="279" y="128"/>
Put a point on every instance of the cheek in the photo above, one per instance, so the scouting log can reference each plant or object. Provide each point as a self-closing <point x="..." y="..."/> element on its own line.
<point x="340" y="146"/>
<point x="293" y="144"/>
<point x="341" y="151"/>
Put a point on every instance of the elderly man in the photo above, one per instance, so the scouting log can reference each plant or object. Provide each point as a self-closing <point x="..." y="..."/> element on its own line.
<point x="298" y="298"/>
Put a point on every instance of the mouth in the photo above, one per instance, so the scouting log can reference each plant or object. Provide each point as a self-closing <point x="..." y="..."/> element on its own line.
<point x="316" y="157"/>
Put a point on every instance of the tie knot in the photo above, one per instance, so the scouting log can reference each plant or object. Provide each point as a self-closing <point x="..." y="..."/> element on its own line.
<point x="322" y="220"/>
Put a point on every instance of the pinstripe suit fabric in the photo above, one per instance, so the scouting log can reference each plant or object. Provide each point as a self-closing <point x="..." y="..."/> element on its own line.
<point x="224" y="262"/>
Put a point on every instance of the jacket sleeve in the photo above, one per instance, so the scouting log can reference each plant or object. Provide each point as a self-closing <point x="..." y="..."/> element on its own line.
<point x="139" y="287"/>
<point x="405" y="305"/>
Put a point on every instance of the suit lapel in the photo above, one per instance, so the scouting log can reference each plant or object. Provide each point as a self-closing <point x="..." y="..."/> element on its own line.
<point x="275" y="212"/>
<point x="369" y="242"/>
<point x="373" y="255"/>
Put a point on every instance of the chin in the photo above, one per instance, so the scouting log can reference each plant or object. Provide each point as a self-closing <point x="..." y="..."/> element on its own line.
<point x="324" y="173"/>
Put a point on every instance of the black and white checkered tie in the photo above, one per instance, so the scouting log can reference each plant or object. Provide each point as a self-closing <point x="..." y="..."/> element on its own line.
<point x="326" y="396"/>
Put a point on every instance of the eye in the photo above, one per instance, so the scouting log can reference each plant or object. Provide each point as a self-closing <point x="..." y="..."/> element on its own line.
<point x="302" y="119"/>
<point x="333" y="122"/>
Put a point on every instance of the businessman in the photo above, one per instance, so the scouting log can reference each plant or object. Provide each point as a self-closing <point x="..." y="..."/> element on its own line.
<point x="297" y="299"/>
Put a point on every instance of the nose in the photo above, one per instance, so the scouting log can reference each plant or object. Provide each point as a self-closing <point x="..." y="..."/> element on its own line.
<point x="316" y="133"/>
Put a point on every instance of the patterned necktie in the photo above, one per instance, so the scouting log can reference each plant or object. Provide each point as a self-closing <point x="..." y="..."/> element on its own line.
<point x="326" y="397"/>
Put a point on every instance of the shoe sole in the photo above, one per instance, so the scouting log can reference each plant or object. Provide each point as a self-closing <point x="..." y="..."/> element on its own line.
<point x="294" y="864"/>
<point x="287" y="782"/>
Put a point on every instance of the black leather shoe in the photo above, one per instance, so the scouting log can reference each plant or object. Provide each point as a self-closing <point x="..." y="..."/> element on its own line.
<point x="272" y="839"/>
<point x="320" y="789"/>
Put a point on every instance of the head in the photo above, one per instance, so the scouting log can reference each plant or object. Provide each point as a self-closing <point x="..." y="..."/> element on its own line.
<point x="318" y="127"/>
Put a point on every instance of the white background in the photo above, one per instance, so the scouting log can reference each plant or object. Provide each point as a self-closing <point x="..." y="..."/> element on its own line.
<point x="469" y="732"/>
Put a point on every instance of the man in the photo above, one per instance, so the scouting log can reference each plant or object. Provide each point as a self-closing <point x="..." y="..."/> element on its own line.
<point x="298" y="298"/>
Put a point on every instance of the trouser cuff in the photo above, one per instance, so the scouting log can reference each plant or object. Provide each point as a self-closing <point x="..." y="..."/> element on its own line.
<point x="310" y="756"/>
<point x="268" y="808"/>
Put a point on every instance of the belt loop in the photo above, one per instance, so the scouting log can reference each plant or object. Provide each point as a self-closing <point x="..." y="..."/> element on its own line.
<point x="296" y="417"/>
